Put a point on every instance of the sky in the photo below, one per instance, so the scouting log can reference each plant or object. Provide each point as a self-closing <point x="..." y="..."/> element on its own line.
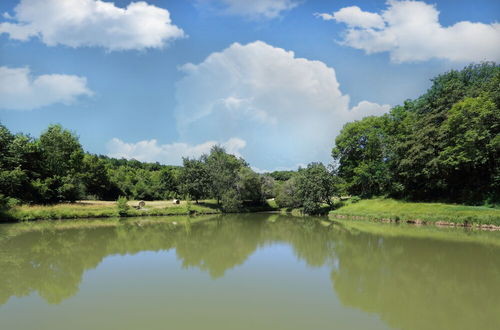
<point x="272" y="81"/>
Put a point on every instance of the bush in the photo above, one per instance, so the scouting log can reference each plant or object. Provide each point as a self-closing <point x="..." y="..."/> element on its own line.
<point x="231" y="201"/>
<point x="122" y="205"/>
<point x="311" y="207"/>
<point x="355" y="199"/>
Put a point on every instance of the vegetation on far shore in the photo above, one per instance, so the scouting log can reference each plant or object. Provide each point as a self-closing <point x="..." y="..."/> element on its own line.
<point x="109" y="209"/>
<point x="440" y="213"/>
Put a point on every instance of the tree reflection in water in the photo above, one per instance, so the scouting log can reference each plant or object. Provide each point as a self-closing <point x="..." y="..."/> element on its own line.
<point x="410" y="282"/>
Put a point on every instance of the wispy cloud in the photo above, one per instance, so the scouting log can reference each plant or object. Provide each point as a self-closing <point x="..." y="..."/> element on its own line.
<point x="255" y="9"/>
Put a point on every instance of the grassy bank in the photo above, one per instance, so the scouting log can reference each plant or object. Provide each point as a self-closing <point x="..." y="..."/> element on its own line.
<point x="438" y="213"/>
<point x="108" y="209"/>
<point x="104" y="209"/>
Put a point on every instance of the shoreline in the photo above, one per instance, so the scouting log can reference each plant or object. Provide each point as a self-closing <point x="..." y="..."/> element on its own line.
<point x="420" y="213"/>
<point x="103" y="209"/>
<point x="417" y="222"/>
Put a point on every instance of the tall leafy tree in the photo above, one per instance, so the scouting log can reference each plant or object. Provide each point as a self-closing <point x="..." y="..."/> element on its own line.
<point x="361" y="150"/>
<point x="223" y="171"/>
<point x="62" y="159"/>
<point x="194" y="179"/>
<point x="316" y="185"/>
<point x="249" y="186"/>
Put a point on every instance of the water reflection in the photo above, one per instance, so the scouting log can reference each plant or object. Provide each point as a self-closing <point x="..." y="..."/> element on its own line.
<point x="411" y="283"/>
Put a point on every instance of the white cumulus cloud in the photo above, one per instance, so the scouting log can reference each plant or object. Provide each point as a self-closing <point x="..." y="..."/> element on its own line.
<point x="19" y="90"/>
<point x="253" y="9"/>
<point x="410" y="31"/>
<point x="171" y="154"/>
<point x="287" y="109"/>
<point x="80" y="23"/>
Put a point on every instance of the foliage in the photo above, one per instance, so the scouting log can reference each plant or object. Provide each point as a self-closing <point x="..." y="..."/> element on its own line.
<point x="316" y="185"/>
<point x="445" y="145"/>
<point x="282" y="175"/>
<point x="268" y="186"/>
<point x="223" y="171"/>
<point x="54" y="168"/>
<point x="231" y="201"/>
<point x="249" y="186"/>
<point x="194" y="179"/>
<point x="122" y="205"/>
<point x="362" y="153"/>
<point x="287" y="195"/>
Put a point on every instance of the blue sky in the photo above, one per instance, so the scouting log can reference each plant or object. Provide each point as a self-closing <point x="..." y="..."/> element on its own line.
<point x="271" y="80"/>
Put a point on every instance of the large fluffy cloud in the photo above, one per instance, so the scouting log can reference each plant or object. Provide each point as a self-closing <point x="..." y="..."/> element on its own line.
<point x="253" y="8"/>
<point x="20" y="90"/>
<point x="410" y="31"/>
<point x="152" y="151"/>
<point x="77" y="23"/>
<point x="287" y="109"/>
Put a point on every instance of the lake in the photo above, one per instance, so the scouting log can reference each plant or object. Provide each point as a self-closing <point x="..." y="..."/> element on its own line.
<point x="252" y="271"/>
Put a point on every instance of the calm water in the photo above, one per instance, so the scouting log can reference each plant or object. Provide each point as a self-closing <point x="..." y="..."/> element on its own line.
<point x="246" y="272"/>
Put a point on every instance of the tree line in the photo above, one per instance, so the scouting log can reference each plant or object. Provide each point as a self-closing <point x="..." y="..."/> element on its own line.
<point x="54" y="168"/>
<point x="442" y="146"/>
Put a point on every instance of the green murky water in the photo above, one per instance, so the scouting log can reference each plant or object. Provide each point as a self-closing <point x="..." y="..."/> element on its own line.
<point x="246" y="272"/>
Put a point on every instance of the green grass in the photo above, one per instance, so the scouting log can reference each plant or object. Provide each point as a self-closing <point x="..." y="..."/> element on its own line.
<point x="108" y="209"/>
<point x="97" y="209"/>
<point x="393" y="210"/>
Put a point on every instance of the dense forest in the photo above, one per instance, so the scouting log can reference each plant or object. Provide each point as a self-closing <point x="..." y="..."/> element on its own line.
<point x="442" y="146"/>
<point x="445" y="145"/>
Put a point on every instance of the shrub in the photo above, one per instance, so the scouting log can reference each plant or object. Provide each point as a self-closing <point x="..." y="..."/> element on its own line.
<point x="231" y="201"/>
<point x="122" y="205"/>
<point x="311" y="207"/>
<point x="355" y="199"/>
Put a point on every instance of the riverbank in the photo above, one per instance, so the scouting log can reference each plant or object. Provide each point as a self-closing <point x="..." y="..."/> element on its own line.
<point x="390" y="210"/>
<point x="109" y="209"/>
<point x="105" y="209"/>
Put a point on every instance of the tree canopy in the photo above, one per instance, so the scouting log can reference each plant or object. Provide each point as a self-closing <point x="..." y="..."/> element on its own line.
<point x="442" y="146"/>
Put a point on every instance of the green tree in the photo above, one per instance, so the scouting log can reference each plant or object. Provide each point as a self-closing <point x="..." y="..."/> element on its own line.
<point x="231" y="201"/>
<point x="249" y="186"/>
<point x="96" y="179"/>
<point x="61" y="151"/>
<point x="62" y="160"/>
<point x="362" y="153"/>
<point x="268" y="185"/>
<point x="194" y="180"/>
<point x="287" y="195"/>
<point x="472" y="149"/>
<point x="223" y="171"/>
<point x="168" y="182"/>
<point x="316" y="185"/>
